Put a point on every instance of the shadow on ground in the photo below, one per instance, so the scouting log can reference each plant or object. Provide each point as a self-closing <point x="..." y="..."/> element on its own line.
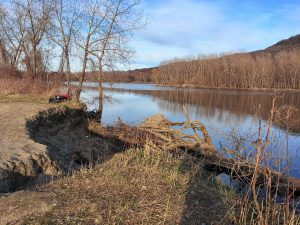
<point x="205" y="202"/>
<point x="69" y="144"/>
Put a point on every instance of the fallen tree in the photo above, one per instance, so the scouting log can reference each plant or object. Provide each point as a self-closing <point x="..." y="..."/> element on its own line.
<point x="161" y="135"/>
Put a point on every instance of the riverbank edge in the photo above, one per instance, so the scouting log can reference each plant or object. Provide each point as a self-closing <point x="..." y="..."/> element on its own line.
<point x="166" y="172"/>
<point x="211" y="88"/>
<point x="228" y="88"/>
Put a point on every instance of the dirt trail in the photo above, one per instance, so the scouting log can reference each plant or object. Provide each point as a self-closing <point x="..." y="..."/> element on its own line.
<point x="17" y="148"/>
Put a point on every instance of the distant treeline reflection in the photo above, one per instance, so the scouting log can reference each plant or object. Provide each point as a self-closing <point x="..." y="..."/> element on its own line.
<point x="241" y="103"/>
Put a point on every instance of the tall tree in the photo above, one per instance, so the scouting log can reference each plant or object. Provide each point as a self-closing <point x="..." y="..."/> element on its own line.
<point x="64" y="24"/>
<point x="110" y="26"/>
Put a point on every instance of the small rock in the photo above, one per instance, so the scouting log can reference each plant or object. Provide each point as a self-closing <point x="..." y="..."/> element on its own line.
<point x="144" y="188"/>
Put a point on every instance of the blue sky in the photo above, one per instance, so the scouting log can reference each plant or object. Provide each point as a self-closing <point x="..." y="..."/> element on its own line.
<point x="179" y="28"/>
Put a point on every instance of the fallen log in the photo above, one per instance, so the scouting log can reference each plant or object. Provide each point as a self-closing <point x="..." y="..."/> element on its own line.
<point x="161" y="135"/>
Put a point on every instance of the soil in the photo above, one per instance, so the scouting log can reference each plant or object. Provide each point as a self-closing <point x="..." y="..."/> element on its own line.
<point x="13" y="133"/>
<point x="16" y="145"/>
<point x="18" y="151"/>
<point x="40" y="142"/>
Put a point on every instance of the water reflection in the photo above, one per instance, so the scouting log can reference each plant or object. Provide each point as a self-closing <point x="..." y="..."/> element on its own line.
<point x="229" y="115"/>
<point x="228" y="106"/>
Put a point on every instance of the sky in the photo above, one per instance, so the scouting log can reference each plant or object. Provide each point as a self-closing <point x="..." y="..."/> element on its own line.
<point x="188" y="28"/>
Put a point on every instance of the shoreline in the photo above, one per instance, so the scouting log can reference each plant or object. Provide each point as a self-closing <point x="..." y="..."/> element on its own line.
<point x="115" y="173"/>
<point x="126" y="168"/>
<point x="228" y="88"/>
<point x="208" y="88"/>
<point x="199" y="87"/>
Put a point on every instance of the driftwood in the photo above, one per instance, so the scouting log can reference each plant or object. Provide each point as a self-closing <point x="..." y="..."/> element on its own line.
<point x="160" y="134"/>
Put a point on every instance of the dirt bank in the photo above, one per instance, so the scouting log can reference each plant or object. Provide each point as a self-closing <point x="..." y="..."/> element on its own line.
<point x="19" y="154"/>
<point x="39" y="141"/>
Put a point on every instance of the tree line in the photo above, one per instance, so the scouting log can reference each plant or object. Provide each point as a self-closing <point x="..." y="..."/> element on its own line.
<point x="38" y="36"/>
<point x="242" y="70"/>
<point x="139" y="75"/>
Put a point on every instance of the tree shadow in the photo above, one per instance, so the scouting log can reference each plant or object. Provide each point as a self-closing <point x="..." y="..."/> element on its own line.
<point x="205" y="202"/>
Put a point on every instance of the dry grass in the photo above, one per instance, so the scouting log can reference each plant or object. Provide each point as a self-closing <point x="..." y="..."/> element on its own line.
<point x="138" y="187"/>
<point x="255" y="172"/>
<point x="36" y="87"/>
<point x="262" y="70"/>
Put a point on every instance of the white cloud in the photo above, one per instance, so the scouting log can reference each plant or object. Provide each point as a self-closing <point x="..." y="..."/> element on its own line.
<point x="180" y="28"/>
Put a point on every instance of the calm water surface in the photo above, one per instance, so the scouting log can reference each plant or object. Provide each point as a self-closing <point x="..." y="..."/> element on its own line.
<point x="230" y="116"/>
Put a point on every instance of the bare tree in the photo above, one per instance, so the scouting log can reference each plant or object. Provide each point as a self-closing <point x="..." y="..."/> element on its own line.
<point x="240" y="70"/>
<point x="36" y="21"/>
<point x="11" y="35"/>
<point x="89" y="24"/>
<point x="64" y="25"/>
<point x="110" y="25"/>
<point x="23" y="25"/>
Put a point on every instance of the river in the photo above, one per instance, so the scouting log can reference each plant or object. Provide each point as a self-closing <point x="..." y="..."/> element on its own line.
<point x="230" y="116"/>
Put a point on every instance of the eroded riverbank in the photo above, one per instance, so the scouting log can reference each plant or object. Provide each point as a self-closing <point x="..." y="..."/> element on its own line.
<point x="39" y="141"/>
<point x="137" y="186"/>
<point x="140" y="185"/>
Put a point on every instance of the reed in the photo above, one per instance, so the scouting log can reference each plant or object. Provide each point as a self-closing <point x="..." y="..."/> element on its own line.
<point x="12" y="83"/>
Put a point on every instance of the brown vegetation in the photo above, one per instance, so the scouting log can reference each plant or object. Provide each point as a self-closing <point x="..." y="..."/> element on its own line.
<point x="276" y="67"/>
<point x="255" y="171"/>
<point x="259" y="70"/>
<point x="286" y="44"/>
<point x="138" y="186"/>
<point x="16" y="84"/>
<point x="139" y="75"/>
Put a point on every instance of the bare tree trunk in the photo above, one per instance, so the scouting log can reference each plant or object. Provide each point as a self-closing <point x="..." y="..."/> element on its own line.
<point x="100" y="91"/>
<point x="34" y="61"/>
<point x="83" y="73"/>
<point x="69" y="75"/>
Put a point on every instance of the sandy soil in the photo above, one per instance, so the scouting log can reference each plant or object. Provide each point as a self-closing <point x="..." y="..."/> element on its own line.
<point x="14" y="138"/>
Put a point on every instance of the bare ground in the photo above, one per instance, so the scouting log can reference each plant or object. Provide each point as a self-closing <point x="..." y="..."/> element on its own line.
<point x="14" y="139"/>
<point x="35" y="149"/>
<point x="15" y="144"/>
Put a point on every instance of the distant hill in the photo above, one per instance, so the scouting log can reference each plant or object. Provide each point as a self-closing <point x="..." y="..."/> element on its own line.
<point x="198" y="71"/>
<point x="286" y="44"/>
